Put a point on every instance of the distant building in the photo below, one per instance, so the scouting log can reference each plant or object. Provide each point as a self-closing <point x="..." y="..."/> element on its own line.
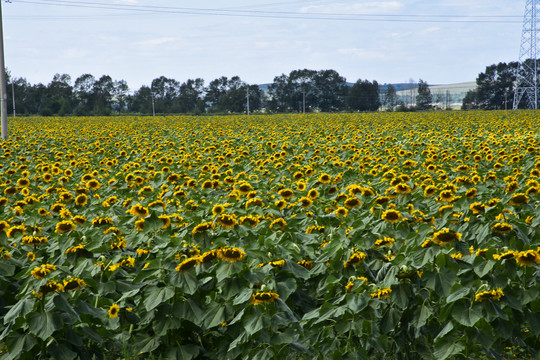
<point x="450" y="95"/>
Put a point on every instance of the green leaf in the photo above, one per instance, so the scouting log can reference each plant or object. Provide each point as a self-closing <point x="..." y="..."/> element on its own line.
<point x="483" y="267"/>
<point x="458" y="294"/>
<point x="445" y="330"/>
<point x="254" y="323"/>
<point x="390" y="320"/>
<point x="467" y="316"/>
<point x="22" y="343"/>
<point x="286" y="288"/>
<point x="156" y="295"/>
<point x="226" y="269"/>
<point x="441" y="281"/>
<point x="21" y="308"/>
<point x="188" y="282"/>
<point x="188" y="310"/>
<point x="186" y="352"/>
<point x="44" y="324"/>
<point x="244" y="296"/>
<point x="357" y="302"/>
<point x="216" y="314"/>
<point x="534" y="321"/>
<point x="61" y="352"/>
<point x="447" y="349"/>
<point x="425" y="313"/>
<point x="62" y="304"/>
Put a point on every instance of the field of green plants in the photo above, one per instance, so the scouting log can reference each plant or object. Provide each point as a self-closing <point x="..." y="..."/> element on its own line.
<point x="347" y="236"/>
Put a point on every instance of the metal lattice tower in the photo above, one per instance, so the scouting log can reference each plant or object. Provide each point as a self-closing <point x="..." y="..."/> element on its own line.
<point x="528" y="79"/>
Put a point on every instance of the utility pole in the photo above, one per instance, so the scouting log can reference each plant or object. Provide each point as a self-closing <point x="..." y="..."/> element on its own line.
<point x="304" y="102"/>
<point x="247" y="97"/>
<point x="153" y="106"/>
<point x="13" y="96"/>
<point x="3" y="93"/>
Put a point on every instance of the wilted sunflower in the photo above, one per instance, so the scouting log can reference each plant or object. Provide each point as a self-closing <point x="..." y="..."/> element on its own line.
<point x="445" y="236"/>
<point x="381" y="293"/>
<point x="50" y="287"/>
<point x="231" y="254"/>
<point x="391" y="215"/>
<point x="188" y="263"/>
<point x="489" y="295"/>
<point x="266" y="297"/>
<point x="526" y="258"/>
<point x="385" y="241"/>
<point x="356" y="258"/>
<point x="73" y="284"/>
<point x="203" y="227"/>
<point x="65" y="226"/>
<point x="228" y="221"/>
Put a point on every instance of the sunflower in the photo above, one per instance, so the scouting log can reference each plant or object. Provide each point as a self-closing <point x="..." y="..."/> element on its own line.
<point x="113" y="311"/>
<point x="278" y="224"/>
<point x="381" y="293"/>
<point x="188" y="263"/>
<point x="13" y="230"/>
<point x="227" y="221"/>
<point x="50" y="287"/>
<point x="231" y="254"/>
<point x="79" y="219"/>
<point x="445" y="236"/>
<point x="65" y="226"/>
<point x="34" y="240"/>
<point x="518" y="199"/>
<point x="23" y="182"/>
<point x="385" y="241"/>
<point x="203" y="227"/>
<point x="286" y="193"/>
<point x="529" y="257"/>
<point x="139" y="211"/>
<point x="356" y="258"/>
<point x="402" y="188"/>
<point x="352" y="202"/>
<point x="3" y="201"/>
<point x="489" y="295"/>
<point x="305" y="202"/>
<point x="341" y="211"/>
<point x="73" y="284"/>
<point x="306" y="264"/>
<point x="43" y="270"/>
<point x="93" y="184"/>
<point x="325" y="178"/>
<point x="218" y="209"/>
<point x="266" y="297"/>
<point x="254" y="202"/>
<point x="502" y="228"/>
<point x="208" y="256"/>
<point x="31" y="256"/>
<point x="4" y="225"/>
<point x="391" y="215"/>
<point x="477" y="208"/>
<point x="446" y="196"/>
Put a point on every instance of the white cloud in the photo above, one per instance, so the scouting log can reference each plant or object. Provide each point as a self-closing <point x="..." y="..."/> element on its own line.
<point x="75" y="53"/>
<point x="127" y="2"/>
<point x="429" y="30"/>
<point x="362" y="53"/>
<point x="157" y="41"/>
<point x="373" y="7"/>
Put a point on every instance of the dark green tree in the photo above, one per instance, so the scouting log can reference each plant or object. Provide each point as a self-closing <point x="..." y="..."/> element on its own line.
<point x="495" y="86"/>
<point x="390" y="96"/>
<point x="364" y="96"/>
<point x="83" y="90"/>
<point x="424" y="99"/>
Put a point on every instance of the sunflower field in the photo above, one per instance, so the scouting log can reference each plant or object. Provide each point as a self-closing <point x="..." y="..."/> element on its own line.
<point x="346" y="236"/>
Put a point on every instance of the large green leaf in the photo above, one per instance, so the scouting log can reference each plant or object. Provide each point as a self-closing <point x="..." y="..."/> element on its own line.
<point x="154" y="296"/>
<point x="447" y="349"/>
<point x="44" y="324"/>
<point x="21" y="308"/>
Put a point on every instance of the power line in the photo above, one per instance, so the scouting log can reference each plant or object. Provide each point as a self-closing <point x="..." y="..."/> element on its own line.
<point x="410" y="18"/>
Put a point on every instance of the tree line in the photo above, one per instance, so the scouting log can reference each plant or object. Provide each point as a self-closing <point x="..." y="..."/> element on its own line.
<point x="300" y="90"/>
<point x="495" y="87"/>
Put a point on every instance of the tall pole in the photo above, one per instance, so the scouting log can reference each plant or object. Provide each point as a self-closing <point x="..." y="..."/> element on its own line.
<point x="304" y="101"/>
<point x="247" y="96"/>
<point x="13" y="96"/>
<point x="3" y="93"/>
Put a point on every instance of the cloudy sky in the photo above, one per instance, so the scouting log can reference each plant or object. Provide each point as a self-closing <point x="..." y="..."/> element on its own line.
<point x="439" y="41"/>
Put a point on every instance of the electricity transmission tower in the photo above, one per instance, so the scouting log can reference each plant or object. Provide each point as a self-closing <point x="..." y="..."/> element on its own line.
<point x="527" y="79"/>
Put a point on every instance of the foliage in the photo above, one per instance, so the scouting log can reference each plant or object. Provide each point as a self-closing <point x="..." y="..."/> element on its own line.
<point x="424" y="97"/>
<point x="369" y="236"/>
<point x="364" y="96"/>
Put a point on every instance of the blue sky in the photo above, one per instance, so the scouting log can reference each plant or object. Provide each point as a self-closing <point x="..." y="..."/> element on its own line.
<point x="439" y="41"/>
